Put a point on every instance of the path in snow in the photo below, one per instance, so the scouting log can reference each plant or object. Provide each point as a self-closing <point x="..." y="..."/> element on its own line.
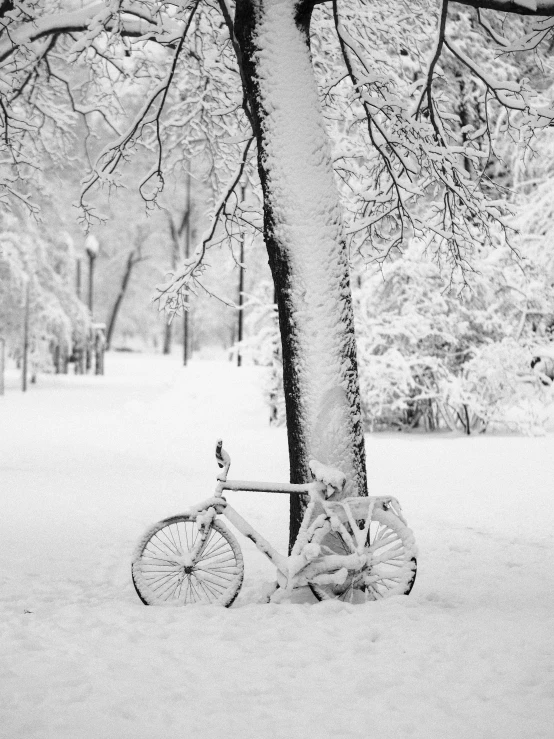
<point x="86" y="464"/>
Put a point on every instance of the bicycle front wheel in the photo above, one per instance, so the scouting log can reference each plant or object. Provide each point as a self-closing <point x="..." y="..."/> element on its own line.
<point x="165" y="574"/>
<point x="391" y="568"/>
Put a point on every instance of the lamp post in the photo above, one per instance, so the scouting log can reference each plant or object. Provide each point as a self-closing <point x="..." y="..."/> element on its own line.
<point x="78" y="278"/>
<point x="92" y="247"/>
<point x="25" y="355"/>
<point x="186" y="323"/>
<point x="2" y="364"/>
<point x="241" y="279"/>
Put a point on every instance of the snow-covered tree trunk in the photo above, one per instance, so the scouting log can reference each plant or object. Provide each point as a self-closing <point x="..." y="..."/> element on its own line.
<point x="303" y="235"/>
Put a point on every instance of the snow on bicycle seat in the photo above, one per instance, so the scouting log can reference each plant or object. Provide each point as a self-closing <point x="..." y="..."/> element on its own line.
<point x="333" y="478"/>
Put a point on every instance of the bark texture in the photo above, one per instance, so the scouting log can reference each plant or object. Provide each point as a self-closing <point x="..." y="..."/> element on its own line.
<point x="304" y="240"/>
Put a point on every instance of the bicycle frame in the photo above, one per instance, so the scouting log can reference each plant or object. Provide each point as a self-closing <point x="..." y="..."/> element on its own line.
<point x="221" y="506"/>
<point x="302" y="565"/>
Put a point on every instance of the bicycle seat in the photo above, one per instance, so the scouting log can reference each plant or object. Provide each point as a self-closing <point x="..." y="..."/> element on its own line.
<point x="331" y="477"/>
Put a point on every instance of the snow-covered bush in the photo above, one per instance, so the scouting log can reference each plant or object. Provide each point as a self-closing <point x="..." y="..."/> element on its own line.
<point x="501" y="390"/>
<point x="434" y="356"/>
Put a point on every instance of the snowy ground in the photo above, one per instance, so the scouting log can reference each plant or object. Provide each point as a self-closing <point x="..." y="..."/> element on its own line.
<point x="86" y="464"/>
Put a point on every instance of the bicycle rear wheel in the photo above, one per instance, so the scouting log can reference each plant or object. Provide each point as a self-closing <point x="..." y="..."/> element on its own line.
<point x="391" y="569"/>
<point x="164" y="573"/>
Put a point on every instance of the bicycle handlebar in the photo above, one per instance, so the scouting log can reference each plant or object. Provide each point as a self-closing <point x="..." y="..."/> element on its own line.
<point x="218" y="454"/>
<point x="223" y="459"/>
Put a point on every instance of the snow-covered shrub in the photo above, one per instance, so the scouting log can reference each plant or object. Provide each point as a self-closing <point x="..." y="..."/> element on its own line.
<point x="501" y="389"/>
<point x="396" y="386"/>
<point x="431" y="355"/>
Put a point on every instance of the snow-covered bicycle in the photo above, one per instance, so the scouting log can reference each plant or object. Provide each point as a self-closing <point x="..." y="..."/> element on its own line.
<point x="355" y="549"/>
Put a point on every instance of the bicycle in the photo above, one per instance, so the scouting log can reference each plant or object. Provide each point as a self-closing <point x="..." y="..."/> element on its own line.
<point x="355" y="549"/>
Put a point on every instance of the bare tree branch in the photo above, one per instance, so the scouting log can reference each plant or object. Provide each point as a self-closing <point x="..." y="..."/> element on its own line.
<point x="171" y="296"/>
<point x="68" y="22"/>
<point x="108" y="160"/>
<point x="520" y="7"/>
<point x="428" y="89"/>
<point x="500" y="40"/>
<point x="505" y="92"/>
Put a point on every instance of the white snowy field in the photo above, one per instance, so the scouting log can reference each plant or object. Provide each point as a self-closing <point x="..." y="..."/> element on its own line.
<point x="87" y="463"/>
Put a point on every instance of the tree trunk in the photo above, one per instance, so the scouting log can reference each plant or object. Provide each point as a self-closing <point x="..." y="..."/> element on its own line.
<point x="176" y="236"/>
<point x="2" y="364"/>
<point x="168" y="332"/>
<point x="131" y="261"/>
<point x="305" y="244"/>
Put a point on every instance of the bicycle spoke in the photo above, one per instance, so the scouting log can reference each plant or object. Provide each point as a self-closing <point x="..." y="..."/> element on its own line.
<point x="165" y="587"/>
<point x="214" y="593"/>
<point x="187" y="589"/>
<point x="163" y="543"/>
<point x="217" y="572"/>
<point x="223" y="582"/>
<point x="219" y="560"/>
<point x="162" y="578"/>
<point x="172" y="593"/>
<point x="169" y="543"/>
<point x="181" y="587"/>
<point x="211" y="552"/>
<point x="162" y="572"/>
<point x="179" y="537"/>
<point x="171" y="535"/>
<point x="158" y="546"/>
<point x="209" y="593"/>
<point x="226" y="573"/>
<point x="211" y="586"/>
<point x="194" y="590"/>
<point x="160" y="563"/>
<point x="389" y="568"/>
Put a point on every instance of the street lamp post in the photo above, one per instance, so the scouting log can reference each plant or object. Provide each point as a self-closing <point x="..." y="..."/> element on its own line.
<point x="78" y="279"/>
<point x="25" y="356"/>
<point x="186" y="322"/>
<point x="2" y="363"/>
<point x="241" y="281"/>
<point x="92" y="247"/>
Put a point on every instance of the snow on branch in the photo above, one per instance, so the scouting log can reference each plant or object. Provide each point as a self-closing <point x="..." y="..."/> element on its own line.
<point x="427" y="91"/>
<point x="385" y="146"/>
<point x="520" y="7"/>
<point x="540" y="32"/>
<point x="127" y="18"/>
<point x="149" y="115"/>
<point x="496" y="37"/>
<point x="427" y="182"/>
<point x="510" y="94"/>
<point x="172" y="295"/>
<point x="41" y="99"/>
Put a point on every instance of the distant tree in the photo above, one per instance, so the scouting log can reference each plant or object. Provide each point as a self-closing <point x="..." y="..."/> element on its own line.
<point x="238" y="85"/>
<point x="59" y="322"/>
<point x="133" y="258"/>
